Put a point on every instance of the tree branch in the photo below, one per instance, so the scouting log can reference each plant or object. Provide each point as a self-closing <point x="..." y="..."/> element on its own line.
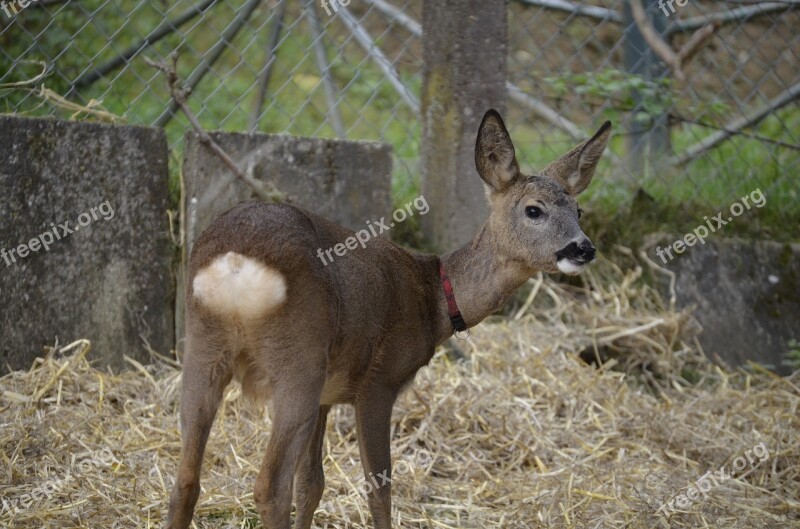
<point x="324" y="68"/>
<point x="514" y="92"/>
<point x="660" y="47"/>
<point x="740" y="14"/>
<point x="654" y="40"/>
<point x="266" y="72"/>
<point x="368" y="43"/>
<point x="696" y="42"/>
<point x="544" y="111"/>
<point x="166" y="28"/>
<point x="264" y="191"/>
<point x="598" y="13"/>
<point x="28" y="82"/>
<point x="242" y="16"/>
<point x="396" y="15"/>
<point x="732" y="128"/>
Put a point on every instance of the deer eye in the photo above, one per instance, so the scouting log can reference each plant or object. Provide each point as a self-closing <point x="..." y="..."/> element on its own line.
<point x="580" y="212"/>
<point x="533" y="212"/>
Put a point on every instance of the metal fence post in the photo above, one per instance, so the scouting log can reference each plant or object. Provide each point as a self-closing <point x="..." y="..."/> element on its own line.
<point x="648" y="139"/>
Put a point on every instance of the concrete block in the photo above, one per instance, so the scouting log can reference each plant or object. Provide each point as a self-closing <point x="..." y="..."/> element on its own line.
<point x="348" y="182"/>
<point x="746" y="296"/>
<point x="85" y="250"/>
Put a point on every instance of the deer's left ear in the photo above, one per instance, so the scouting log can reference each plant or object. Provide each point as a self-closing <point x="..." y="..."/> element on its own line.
<point x="575" y="169"/>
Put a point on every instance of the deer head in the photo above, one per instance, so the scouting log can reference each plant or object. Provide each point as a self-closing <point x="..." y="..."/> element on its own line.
<point x="534" y="220"/>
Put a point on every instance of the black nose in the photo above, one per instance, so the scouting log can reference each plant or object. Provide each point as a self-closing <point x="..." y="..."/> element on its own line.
<point x="586" y="251"/>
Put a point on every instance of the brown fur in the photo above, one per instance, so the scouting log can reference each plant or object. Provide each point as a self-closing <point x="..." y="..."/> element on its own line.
<point x="355" y="331"/>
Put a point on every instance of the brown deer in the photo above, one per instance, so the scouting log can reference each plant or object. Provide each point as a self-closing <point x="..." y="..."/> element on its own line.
<point x="261" y="307"/>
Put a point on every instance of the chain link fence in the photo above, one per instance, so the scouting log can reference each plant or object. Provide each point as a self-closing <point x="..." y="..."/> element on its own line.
<point x="704" y="113"/>
<point x="703" y="95"/>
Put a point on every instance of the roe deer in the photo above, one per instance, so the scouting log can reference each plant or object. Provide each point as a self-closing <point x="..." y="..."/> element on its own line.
<point x="261" y="307"/>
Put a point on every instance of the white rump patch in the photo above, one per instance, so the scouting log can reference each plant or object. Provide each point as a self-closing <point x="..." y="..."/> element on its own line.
<point x="569" y="267"/>
<point x="235" y="285"/>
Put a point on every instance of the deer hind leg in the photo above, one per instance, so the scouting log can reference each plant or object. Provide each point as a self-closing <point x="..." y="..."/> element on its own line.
<point x="297" y="376"/>
<point x="205" y="376"/>
<point x="310" y="477"/>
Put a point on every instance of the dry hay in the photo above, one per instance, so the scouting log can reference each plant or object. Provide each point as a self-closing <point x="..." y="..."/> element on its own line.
<point x="524" y="434"/>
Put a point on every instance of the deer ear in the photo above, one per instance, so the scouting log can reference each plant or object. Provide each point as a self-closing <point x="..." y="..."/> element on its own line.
<point x="575" y="169"/>
<point x="494" y="153"/>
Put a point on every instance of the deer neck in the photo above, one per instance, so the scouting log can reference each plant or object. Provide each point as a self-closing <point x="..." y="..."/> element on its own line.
<point x="482" y="280"/>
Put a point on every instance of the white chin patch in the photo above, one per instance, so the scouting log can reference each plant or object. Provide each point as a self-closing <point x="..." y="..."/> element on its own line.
<point x="568" y="266"/>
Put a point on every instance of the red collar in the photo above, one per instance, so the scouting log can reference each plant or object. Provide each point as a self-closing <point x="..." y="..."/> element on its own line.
<point x="452" y="308"/>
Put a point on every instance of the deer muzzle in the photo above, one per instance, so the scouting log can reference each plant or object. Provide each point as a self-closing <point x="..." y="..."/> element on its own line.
<point x="573" y="257"/>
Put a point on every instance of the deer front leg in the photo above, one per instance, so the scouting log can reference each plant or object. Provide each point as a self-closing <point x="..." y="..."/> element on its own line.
<point x="309" y="480"/>
<point x="373" y="425"/>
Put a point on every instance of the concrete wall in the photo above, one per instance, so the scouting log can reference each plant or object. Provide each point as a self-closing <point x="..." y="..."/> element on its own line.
<point x="746" y="296"/>
<point x="348" y="182"/>
<point x="108" y="280"/>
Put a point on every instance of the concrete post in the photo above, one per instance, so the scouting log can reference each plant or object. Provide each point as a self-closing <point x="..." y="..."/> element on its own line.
<point x="464" y="49"/>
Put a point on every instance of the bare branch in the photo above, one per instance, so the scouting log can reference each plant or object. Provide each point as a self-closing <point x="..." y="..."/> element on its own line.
<point x="266" y="71"/>
<point x="696" y="42"/>
<point x="166" y="28"/>
<point x="598" y="13"/>
<point x="673" y="60"/>
<point x="28" y="82"/>
<point x="368" y="43"/>
<point x="242" y="16"/>
<point x="514" y="92"/>
<point x="266" y="192"/>
<point x="324" y="68"/>
<point x="738" y="15"/>
<point x="399" y="16"/>
<point x="737" y="125"/>
<point x="93" y="107"/>
<point x="654" y="40"/>
<point x="544" y="111"/>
